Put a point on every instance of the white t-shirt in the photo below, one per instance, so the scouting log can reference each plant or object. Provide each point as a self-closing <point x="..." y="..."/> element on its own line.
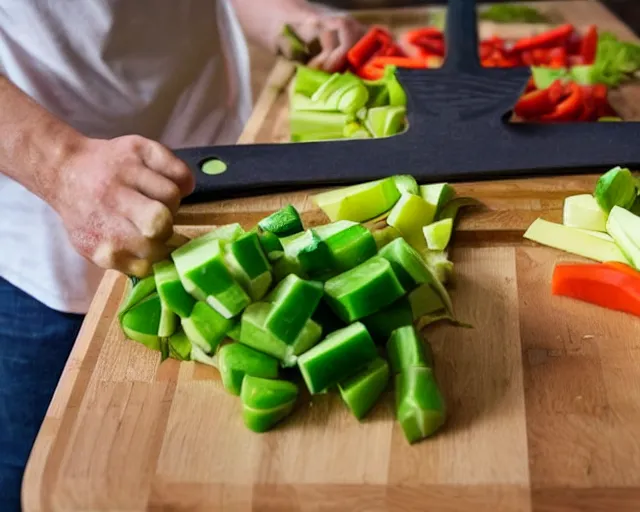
<point x="176" y="71"/>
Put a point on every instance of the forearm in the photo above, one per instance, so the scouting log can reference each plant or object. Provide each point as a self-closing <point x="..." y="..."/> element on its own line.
<point x="33" y="142"/>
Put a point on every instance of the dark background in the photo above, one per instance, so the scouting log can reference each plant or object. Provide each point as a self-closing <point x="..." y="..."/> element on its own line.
<point x="626" y="10"/>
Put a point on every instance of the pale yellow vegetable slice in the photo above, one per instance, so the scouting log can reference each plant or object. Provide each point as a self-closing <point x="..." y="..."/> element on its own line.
<point x="409" y="215"/>
<point x="584" y="212"/>
<point x="438" y="234"/>
<point x="574" y="241"/>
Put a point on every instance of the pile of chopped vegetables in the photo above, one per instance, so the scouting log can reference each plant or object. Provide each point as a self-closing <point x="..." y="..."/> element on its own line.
<point x="333" y="307"/>
<point x="603" y="226"/>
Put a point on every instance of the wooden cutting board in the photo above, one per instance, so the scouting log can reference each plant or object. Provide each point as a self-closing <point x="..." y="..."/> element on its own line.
<point x="543" y="394"/>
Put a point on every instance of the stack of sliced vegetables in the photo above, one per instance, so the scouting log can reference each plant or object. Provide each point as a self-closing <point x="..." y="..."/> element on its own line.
<point x="603" y="226"/>
<point x="325" y="300"/>
<point x="344" y="106"/>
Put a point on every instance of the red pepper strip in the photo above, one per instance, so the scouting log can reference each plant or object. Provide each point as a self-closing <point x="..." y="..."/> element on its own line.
<point x="574" y="44"/>
<point x="540" y="57"/>
<point x="527" y="58"/>
<point x="599" y="284"/>
<point x="588" y="106"/>
<point x="589" y="45"/>
<point x="623" y="267"/>
<point x="369" y="72"/>
<point x="393" y="50"/>
<point x="419" y="34"/>
<point x="375" y="40"/>
<point x="575" y="60"/>
<point x="553" y="37"/>
<point x="558" y="57"/>
<point x="433" y="46"/>
<point x="531" y="85"/>
<point x="486" y="49"/>
<point x="534" y="104"/>
<point x="568" y="109"/>
<point x="603" y="107"/>
<point x="401" y="62"/>
<point x="557" y="91"/>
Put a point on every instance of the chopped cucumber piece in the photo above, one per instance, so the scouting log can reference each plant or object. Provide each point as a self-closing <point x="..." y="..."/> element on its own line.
<point x="405" y="350"/>
<point x="203" y="272"/>
<point x="574" y="241"/>
<point x="236" y="360"/>
<point x="206" y="327"/>
<point x="438" y="234"/>
<point x="339" y="356"/>
<point x="437" y="195"/>
<point x="616" y="187"/>
<point x="311" y="252"/>
<point x="172" y="293"/>
<point x="407" y="183"/>
<point x="136" y="293"/>
<point x="420" y="407"/>
<point x="249" y="265"/>
<point x="624" y="228"/>
<point x="284" y="222"/>
<point x="359" y="202"/>
<point x="385" y="235"/>
<point x="361" y="391"/>
<point x="142" y="321"/>
<point x="424" y="300"/>
<point x="253" y="332"/>
<point x="381" y="324"/>
<point x="363" y="290"/>
<point x="409" y="215"/>
<point x="265" y="402"/>
<point x="349" y="247"/>
<point x="583" y="211"/>
<point x="180" y="346"/>
<point x="294" y="302"/>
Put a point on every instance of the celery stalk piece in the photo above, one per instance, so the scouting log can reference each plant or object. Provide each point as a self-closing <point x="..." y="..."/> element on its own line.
<point x="311" y="252"/>
<point x="142" y="321"/>
<point x="180" y="346"/>
<point x="363" y="290"/>
<point x="617" y="187"/>
<point x="424" y="300"/>
<point x="236" y="360"/>
<point x="249" y="265"/>
<point x="407" y="183"/>
<point x="543" y="77"/>
<point x="285" y="222"/>
<point x="385" y="236"/>
<point x="304" y="122"/>
<point x="361" y="391"/>
<point x="437" y="195"/>
<point x="253" y="332"/>
<point x="584" y="212"/>
<point x="304" y="104"/>
<point x="172" y="293"/>
<point x="206" y="327"/>
<point x="451" y="208"/>
<point x="315" y="137"/>
<point x="378" y="95"/>
<point x="308" y="80"/>
<point x="358" y="203"/>
<point x="336" y="358"/>
<point x="409" y="215"/>
<point x="353" y="98"/>
<point x="331" y="90"/>
<point x="582" y="74"/>
<point x="574" y="241"/>
<point x="635" y="209"/>
<point x="136" y="293"/>
<point x="438" y="234"/>
<point x="385" y="121"/>
<point x="204" y="274"/>
<point x="381" y="324"/>
<point x="624" y="228"/>
<point x="405" y="350"/>
<point x="420" y="407"/>
<point x="350" y="244"/>
<point x="361" y="133"/>
<point x="266" y="402"/>
<point x="291" y="46"/>
<point x="294" y="302"/>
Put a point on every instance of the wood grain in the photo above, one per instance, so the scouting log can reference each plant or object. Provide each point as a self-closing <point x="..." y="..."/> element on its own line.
<point x="543" y="393"/>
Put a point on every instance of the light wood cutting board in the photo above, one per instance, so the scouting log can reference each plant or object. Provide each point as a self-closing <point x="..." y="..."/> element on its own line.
<point x="543" y="394"/>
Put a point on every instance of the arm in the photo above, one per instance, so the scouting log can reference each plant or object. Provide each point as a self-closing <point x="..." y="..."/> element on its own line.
<point x="116" y="197"/>
<point x="263" y="22"/>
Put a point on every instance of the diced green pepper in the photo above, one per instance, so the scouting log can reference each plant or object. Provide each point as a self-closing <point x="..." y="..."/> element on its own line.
<point x="438" y="234"/>
<point x="236" y="360"/>
<point x="294" y="302"/>
<point x="616" y="187"/>
<point x="141" y="322"/>
<point x="285" y="266"/>
<point x="271" y="245"/>
<point x="172" y="293"/>
<point x="381" y="324"/>
<point x="180" y="346"/>
<point x="424" y="300"/>
<point x="407" y="263"/>
<point x="284" y="222"/>
<point x="420" y="407"/>
<point x="363" y="290"/>
<point x="361" y="391"/>
<point x="437" y="195"/>
<point x="249" y="265"/>
<point x="136" y="292"/>
<point x="349" y="247"/>
<point x="385" y="236"/>
<point x="206" y="327"/>
<point x="409" y="215"/>
<point x="311" y="252"/>
<point x="234" y="331"/>
<point x="407" y="183"/>
<point x="265" y="402"/>
<point x="405" y="350"/>
<point x="339" y="356"/>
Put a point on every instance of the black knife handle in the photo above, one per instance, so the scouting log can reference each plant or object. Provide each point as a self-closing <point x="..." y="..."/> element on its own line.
<point x="461" y="37"/>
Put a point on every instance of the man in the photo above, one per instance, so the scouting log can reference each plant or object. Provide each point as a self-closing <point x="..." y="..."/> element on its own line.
<point x="92" y="95"/>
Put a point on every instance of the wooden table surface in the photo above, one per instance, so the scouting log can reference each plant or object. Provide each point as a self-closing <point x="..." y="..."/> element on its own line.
<point x="543" y="394"/>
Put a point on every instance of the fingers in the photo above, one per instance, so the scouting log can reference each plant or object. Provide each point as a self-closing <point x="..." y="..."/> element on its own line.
<point x="151" y="218"/>
<point x="328" y="42"/>
<point x="155" y="186"/>
<point x="160" y="159"/>
<point x="336" y="35"/>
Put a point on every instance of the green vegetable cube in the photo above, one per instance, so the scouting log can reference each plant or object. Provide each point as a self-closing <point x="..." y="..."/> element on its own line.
<point x="437" y="195"/>
<point x="438" y="234"/>
<point x="339" y="356"/>
<point x="311" y="252"/>
<point x="381" y="324"/>
<point x="249" y="265"/>
<point x="265" y="402"/>
<point x="180" y="346"/>
<point x="236" y="360"/>
<point x="294" y="302"/>
<point x="142" y="322"/>
<point x="172" y="293"/>
<point x="361" y="391"/>
<point x="227" y="233"/>
<point x="206" y="327"/>
<point x="407" y="183"/>
<point x="271" y="245"/>
<point x="405" y="350"/>
<point x="409" y="215"/>
<point x="284" y="222"/>
<point x="363" y="290"/>
<point x="406" y="263"/>
<point x="136" y="292"/>
<point x="350" y="246"/>
<point x="424" y="300"/>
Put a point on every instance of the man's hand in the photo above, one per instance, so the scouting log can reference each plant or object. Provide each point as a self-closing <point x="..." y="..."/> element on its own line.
<point x="117" y="199"/>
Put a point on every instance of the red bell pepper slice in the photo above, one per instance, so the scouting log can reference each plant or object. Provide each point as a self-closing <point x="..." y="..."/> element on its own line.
<point x="558" y="57"/>
<point x="600" y="94"/>
<point x="374" y="41"/>
<point x="589" y="45"/>
<point x="568" y="109"/>
<point x="401" y="62"/>
<point x="558" y="91"/>
<point x="416" y="36"/>
<point x="527" y="58"/>
<point x="588" y="106"/>
<point x="623" y="267"/>
<point x="534" y="104"/>
<point x="604" y="285"/>
<point x="369" y="72"/>
<point x="550" y="38"/>
<point x="433" y="46"/>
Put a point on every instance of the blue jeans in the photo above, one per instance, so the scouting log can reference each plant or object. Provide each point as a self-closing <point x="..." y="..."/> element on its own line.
<point x="35" y="342"/>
